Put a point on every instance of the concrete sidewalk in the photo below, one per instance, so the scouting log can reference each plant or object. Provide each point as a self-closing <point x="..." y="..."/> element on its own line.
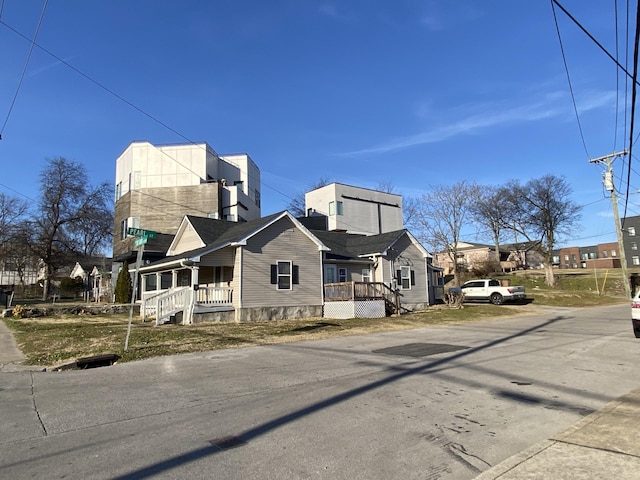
<point x="602" y="445"/>
<point x="11" y="358"/>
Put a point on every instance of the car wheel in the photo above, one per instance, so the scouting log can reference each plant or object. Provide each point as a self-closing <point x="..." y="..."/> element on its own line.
<point x="496" y="299"/>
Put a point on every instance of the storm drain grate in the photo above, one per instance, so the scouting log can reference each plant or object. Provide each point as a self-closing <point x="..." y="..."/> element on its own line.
<point x="226" y="443"/>
<point x="420" y="349"/>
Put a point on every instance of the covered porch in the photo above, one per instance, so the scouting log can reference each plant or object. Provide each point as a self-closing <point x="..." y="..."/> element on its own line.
<point x="184" y="291"/>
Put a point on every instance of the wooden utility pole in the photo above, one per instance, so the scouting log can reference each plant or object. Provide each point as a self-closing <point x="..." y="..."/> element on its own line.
<point x="608" y="184"/>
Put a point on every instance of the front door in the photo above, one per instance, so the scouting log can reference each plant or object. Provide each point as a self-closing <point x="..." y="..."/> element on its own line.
<point x="330" y="274"/>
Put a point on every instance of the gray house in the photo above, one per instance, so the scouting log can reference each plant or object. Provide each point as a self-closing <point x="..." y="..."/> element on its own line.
<point x="275" y="267"/>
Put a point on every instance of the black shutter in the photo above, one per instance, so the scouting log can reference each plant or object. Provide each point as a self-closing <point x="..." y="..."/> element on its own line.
<point x="274" y="274"/>
<point x="398" y="276"/>
<point x="295" y="275"/>
<point x="413" y="277"/>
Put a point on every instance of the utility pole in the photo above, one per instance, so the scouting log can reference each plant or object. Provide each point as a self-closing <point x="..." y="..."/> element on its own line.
<point x="607" y="178"/>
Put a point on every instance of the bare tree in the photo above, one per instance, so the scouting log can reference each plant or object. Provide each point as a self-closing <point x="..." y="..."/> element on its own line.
<point x="297" y="205"/>
<point x="439" y="217"/>
<point x="544" y="212"/>
<point x="12" y="211"/>
<point x="493" y="210"/>
<point x="386" y="186"/>
<point x="69" y="208"/>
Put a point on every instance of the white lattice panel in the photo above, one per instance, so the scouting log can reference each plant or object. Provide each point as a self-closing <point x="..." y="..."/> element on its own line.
<point x="351" y="309"/>
<point x="370" y="309"/>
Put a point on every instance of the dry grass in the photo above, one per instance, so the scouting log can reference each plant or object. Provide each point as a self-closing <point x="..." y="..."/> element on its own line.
<point x="53" y="340"/>
<point x="57" y="339"/>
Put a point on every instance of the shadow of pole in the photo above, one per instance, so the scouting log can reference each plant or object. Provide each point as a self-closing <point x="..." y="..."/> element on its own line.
<point x="271" y="425"/>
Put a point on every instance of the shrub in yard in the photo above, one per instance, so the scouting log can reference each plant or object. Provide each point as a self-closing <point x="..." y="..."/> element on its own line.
<point x="71" y="287"/>
<point x="124" y="286"/>
<point x="19" y="311"/>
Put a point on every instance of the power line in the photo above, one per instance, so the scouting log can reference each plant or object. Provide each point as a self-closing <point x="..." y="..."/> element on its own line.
<point x="555" y="2"/>
<point x="633" y="103"/>
<point x="131" y="104"/>
<point x="566" y="68"/>
<point x="26" y="64"/>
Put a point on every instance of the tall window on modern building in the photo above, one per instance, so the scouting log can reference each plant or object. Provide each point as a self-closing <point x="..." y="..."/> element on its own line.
<point x="634" y="245"/>
<point x="335" y="208"/>
<point x="635" y="260"/>
<point x="631" y="231"/>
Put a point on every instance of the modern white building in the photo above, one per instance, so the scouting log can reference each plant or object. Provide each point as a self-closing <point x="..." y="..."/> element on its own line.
<point x="356" y="210"/>
<point x="157" y="185"/>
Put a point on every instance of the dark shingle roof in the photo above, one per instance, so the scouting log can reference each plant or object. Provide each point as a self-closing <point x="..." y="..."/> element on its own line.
<point x="352" y="246"/>
<point x="218" y="233"/>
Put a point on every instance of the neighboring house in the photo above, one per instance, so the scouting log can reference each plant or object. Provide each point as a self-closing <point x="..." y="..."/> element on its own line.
<point x="476" y="256"/>
<point x="631" y="240"/>
<point x="96" y="278"/>
<point x="356" y="210"/>
<point x="396" y="260"/>
<point x="216" y="270"/>
<point x="274" y="268"/>
<point x="603" y="255"/>
<point x="522" y="256"/>
<point x="470" y="256"/>
<point x="16" y="270"/>
<point x="157" y="185"/>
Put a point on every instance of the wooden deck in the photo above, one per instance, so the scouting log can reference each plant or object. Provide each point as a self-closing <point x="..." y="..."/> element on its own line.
<point x="344" y="291"/>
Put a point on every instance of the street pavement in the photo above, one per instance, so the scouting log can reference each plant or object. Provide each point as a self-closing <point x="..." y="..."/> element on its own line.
<point x="602" y="444"/>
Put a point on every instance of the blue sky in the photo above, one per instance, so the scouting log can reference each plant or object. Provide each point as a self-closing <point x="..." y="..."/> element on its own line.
<point x="363" y="92"/>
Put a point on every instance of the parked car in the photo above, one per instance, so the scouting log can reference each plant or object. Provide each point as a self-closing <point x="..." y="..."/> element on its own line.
<point x="635" y="314"/>
<point x="490" y="289"/>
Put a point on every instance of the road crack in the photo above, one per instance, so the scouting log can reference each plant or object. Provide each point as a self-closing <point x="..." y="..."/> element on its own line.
<point x="35" y="407"/>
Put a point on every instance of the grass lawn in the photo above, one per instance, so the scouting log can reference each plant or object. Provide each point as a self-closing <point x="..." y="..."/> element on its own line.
<point x="57" y="339"/>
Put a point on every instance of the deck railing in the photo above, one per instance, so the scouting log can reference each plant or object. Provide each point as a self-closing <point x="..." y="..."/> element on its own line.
<point x="214" y="296"/>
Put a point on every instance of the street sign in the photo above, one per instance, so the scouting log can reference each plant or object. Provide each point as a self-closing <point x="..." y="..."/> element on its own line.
<point x="139" y="232"/>
<point x="140" y="241"/>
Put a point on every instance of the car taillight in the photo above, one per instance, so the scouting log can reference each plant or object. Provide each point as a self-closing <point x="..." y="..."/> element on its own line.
<point x="510" y="290"/>
<point x="635" y="304"/>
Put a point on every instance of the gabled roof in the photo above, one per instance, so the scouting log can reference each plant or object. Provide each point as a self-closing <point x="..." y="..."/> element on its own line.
<point x="230" y="234"/>
<point x="348" y="245"/>
<point x="207" y="229"/>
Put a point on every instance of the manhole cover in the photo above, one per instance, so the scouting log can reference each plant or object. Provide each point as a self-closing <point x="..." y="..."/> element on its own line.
<point x="420" y="349"/>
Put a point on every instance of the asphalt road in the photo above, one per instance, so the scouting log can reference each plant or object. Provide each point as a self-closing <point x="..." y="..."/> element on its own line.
<point x="434" y="403"/>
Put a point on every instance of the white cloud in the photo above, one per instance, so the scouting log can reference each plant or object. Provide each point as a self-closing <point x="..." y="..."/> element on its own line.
<point x="483" y="116"/>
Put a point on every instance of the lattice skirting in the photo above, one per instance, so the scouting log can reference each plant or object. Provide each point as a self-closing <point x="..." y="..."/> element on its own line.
<point x="354" y="309"/>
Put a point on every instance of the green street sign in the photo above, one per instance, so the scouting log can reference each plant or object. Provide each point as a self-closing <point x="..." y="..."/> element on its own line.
<point x="139" y="232"/>
<point x="140" y="241"/>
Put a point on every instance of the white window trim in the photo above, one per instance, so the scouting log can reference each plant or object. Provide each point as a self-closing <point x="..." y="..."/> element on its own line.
<point x="405" y="274"/>
<point x="284" y="275"/>
<point x="366" y="275"/>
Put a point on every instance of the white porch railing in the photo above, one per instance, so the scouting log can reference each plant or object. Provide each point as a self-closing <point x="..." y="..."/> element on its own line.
<point x="187" y="300"/>
<point x="214" y="296"/>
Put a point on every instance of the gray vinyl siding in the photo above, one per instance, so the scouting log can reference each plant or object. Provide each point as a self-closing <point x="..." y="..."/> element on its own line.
<point x="282" y="241"/>
<point x="354" y="272"/>
<point x="411" y="256"/>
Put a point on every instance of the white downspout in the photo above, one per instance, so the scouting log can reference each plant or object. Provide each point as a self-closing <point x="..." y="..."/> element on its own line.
<point x="239" y="284"/>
